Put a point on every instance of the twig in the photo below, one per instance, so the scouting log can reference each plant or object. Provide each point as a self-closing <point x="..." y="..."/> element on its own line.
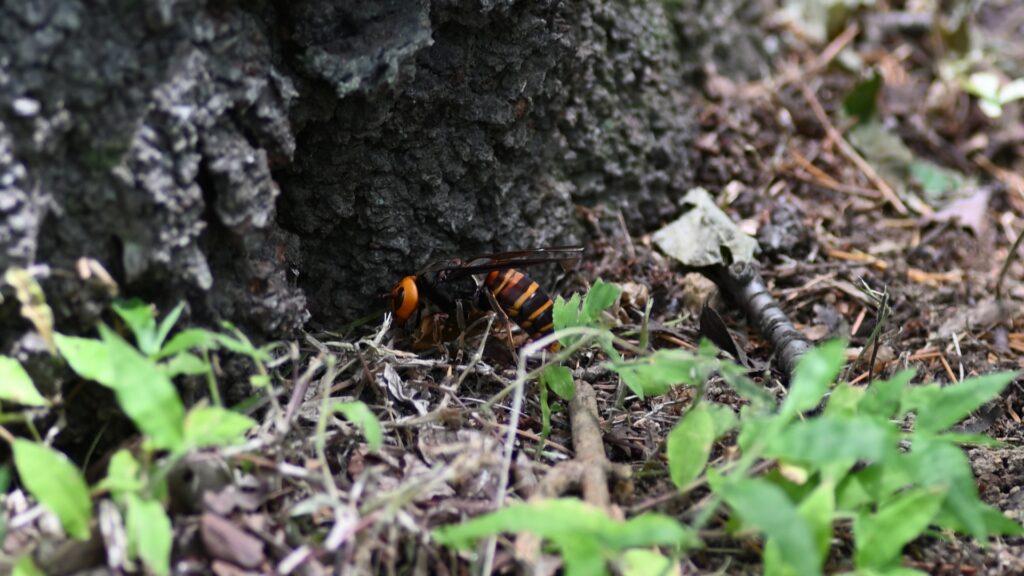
<point x="851" y="154"/>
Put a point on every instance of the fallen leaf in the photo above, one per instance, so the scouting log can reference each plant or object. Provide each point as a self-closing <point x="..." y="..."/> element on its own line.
<point x="970" y="212"/>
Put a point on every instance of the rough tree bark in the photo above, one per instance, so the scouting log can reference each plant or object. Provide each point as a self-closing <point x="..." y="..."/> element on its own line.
<point x="273" y="162"/>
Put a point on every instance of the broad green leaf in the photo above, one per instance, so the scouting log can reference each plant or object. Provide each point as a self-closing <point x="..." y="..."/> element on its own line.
<point x="764" y="506"/>
<point x="207" y="426"/>
<point x="689" y="445"/>
<point x="819" y="509"/>
<point x="828" y="439"/>
<point x="56" y="483"/>
<point x="880" y="537"/>
<point x="25" y="566"/>
<point x="192" y="338"/>
<point x="16" y="385"/>
<point x="844" y="400"/>
<point x="89" y="358"/>
<point x="122" y="475"/>
<point x="139" y="317"/>
<point x="602" y="296"/>
<point x="145" y="393"/>
<point x="934" y="463"/>
<point x="882" y="398"/>
<point x="360" y="414"/>
<point x="149" y="533"/>
<point x="566" y="313"/>
<point x="814" y="374"/>
<point x="559" y="380"/>
<point x="939" y="408"/>
<point x="583" y="556"/>
<point x="642" y="562"/>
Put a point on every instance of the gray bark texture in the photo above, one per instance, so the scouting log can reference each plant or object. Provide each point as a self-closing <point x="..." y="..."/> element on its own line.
<point x="272" y="162"/>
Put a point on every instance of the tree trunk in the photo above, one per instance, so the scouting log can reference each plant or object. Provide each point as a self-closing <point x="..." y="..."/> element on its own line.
<point x="276" y="162"/>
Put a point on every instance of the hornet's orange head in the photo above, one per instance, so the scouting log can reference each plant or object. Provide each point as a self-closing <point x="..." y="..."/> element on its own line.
<point x="405" y="297"/>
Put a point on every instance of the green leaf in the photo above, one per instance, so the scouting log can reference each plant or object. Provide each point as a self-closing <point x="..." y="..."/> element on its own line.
<point x="602" y="296"/>
<point x="984" y="85"/>
<point x="16" y="385"/>
<point x="882" y="398"/>
<point x="89" y="358"/>
<point x="145" y="393"/>
<point x="167" y="324"/>
<point x="818" y="509"/>
<point x="566" y="313"/>
<point x="559" y="379"/>
<point x="139" y="317"/>
<point x="641" y="562"/>
<point x="689" y="445"/>
<point x="844" y="400"/>
<point x="55" y="482"/>
<point x="723" y="417"/>
<point x="360" y="414"/>
<point x="567" y="519"/>
<point x="862" y="100"/>
<point x="655" y="374"/>
<point x="185" y="363"/>
<point x="192" y="338"/>
<point x="814" y="374"/>
<point x="240" y="345"/>
<point x="122" y="475"/>
<point x="829" y="439"/>
<point x="583" y="556"/>
<point x="939" y="408"/>
<point x="936" y="463"/>
<point x="215" y="426"/>
<point x="649" y="529"/>
<point x="881" y="536"/>
<point x="765" y="506"/>
<point x="26" y="567"/>
<point x="149" y="533"/>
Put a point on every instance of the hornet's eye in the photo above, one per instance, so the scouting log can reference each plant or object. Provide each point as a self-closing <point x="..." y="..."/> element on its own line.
<point x="404" y="298"/>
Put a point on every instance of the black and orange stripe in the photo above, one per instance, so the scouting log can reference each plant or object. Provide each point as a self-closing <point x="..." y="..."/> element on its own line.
<point x="523" y="300"/>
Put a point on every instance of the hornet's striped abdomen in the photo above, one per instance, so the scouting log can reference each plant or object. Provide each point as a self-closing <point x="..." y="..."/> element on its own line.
<point x="523" y="300"/>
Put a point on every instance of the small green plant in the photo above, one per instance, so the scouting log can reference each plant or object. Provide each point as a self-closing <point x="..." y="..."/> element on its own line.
<point x="140" y="377"/>
<point x="992" y="93"/>
<point x="829" y="456"/>
<point x="570" y="314"/>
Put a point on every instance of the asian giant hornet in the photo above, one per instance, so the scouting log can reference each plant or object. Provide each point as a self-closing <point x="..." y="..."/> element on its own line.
<point x="519" y="297"/>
